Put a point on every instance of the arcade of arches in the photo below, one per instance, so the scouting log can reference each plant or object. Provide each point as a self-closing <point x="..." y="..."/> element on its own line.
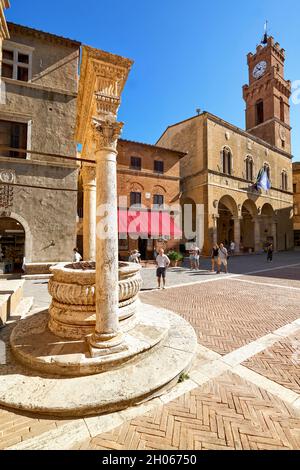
<point x="250" y="227"/>
<point x="12" y="245"/>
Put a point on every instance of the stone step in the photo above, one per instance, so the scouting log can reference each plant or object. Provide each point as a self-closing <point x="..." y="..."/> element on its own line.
<point x="30" y="277"/>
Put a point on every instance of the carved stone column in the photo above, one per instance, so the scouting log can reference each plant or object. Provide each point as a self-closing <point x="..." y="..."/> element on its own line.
<point x="215" y="229"/>
<point x="237" y="233"/>
<point x="88" y="173"/>
<point x="107" y="338"/>
<point x="274" y="235"/>
<point x="257" y="245"/>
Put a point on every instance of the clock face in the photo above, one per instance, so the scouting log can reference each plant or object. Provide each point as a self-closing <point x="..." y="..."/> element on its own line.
<point x="259" y="69"/>
<point x="282" y="133"/>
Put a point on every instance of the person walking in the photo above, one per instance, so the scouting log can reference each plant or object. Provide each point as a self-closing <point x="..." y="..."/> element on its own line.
<point x="270" y="252"/>
<point x="214" y="256"/>
<point x="232" y="248"/>
<point x="192" y="259"/>
<point x="222" y="258"/>
<point x="76" y="256"/>
<point x="197" y="258"/>
<point x="163" y="262"/>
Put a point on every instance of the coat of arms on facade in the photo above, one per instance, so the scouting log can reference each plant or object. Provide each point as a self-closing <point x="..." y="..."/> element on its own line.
<point x="7" y="179"/>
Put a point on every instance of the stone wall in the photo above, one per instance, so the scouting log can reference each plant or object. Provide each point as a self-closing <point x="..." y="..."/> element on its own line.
<point x="47" y="215"/>
<point x="187" y="136"/>
<point x="48" y="101"/>
<point x="296" y="191"/>
<point x="243" y="145"/>
<point x="47" y="104"/>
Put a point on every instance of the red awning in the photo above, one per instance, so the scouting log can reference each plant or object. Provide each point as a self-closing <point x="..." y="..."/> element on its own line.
<point x="150" y="223"/>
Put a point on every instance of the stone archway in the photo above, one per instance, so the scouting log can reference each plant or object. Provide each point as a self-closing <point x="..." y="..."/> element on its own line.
<point x="249" y="214"/>
<point x="227" y="218"/>
<point x="267" y="225"/>
<point x="12" y="245"/>
<point x="28" y="234"/>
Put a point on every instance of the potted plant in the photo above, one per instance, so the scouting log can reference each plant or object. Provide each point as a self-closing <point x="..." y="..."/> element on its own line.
<point x="175" y="257"/>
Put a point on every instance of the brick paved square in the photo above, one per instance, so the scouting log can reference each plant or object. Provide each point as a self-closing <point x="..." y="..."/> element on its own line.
<point x="228" y="314"/>
<point x="280" y="363"/>
<point x="226" y="413"/>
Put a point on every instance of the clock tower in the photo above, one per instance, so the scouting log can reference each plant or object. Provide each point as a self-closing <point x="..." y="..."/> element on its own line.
<point x="267" y="96"/>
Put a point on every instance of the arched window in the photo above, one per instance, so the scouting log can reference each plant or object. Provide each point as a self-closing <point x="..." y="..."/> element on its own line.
<point x="259" y="112"/>
<point x="249" y="169"/>
<point x="227" y="161"/>
<point x="284" y="180"/>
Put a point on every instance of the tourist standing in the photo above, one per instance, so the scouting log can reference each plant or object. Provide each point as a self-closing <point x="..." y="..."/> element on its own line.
<point x="163" y="263"/>
<point x="197" y="257"/>
<point x="214" y="256"/>
<point x="270" y="252"/>
<point x="222" y="258"/>
<point x="135" y="257"/>
<point x="76" y="256"/>
<point x="232" y="248"/>
<point x="192" y="259"/>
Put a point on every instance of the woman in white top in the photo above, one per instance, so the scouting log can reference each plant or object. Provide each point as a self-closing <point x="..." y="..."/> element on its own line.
<point x="76" y="256"/>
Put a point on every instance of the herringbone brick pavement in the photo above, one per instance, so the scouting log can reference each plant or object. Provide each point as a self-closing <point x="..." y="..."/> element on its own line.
<point x="289" y="277"/>
<point x="280" y="363"/>
<point x="226" y="314"/>
<point x="225" y="413"/>
<point x="15" y="428"/>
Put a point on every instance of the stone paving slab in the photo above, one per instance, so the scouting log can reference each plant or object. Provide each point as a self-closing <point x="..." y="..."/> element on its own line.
<point x="225" y="413"/>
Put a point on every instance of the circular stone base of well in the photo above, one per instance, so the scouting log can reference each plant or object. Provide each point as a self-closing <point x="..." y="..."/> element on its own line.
<point x="38" y="348"/>
<point x="149" y="373"/>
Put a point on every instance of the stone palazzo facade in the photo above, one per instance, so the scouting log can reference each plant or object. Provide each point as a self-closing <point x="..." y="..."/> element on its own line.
<point x="147" y="176"/>
<point x="223" y="161"/>
<point x="296" y="191"/>
<point x="38" y="114"/>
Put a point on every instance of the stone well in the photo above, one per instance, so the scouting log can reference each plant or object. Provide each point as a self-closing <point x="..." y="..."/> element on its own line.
<point x="72" y="287"/>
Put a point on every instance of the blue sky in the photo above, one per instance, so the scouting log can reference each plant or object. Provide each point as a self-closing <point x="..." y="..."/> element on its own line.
<point x="188" y="54"/>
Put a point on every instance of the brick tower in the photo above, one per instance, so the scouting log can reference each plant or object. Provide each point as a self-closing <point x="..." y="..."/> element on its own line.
<point x="267" y="96"/>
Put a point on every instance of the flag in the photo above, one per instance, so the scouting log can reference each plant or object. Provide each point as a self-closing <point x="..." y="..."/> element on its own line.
<point x="263" y="181"/>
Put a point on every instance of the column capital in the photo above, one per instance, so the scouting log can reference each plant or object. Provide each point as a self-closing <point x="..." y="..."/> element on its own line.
<point x="88" y="173"/>
<point x="105" y="134"/>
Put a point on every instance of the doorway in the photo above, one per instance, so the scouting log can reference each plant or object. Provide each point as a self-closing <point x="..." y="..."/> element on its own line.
<point x="12" y="245"/>
<point x="143" y="247"/>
